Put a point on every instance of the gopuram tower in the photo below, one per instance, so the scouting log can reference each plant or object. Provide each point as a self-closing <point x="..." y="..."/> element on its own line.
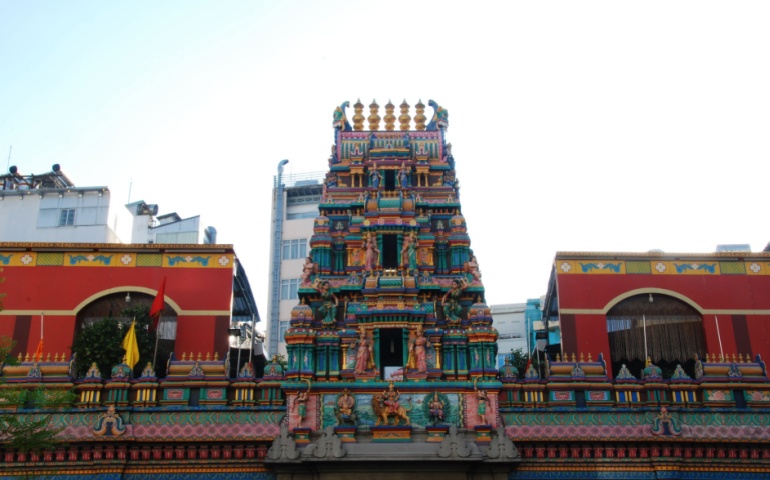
<point x="391" y="335"/>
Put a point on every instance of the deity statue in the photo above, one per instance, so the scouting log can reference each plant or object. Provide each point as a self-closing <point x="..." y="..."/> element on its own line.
<point x="452" y="308"/>
<point x="364" y="353"/>
<point x="371" y="254"/>
<point x="436" y="409"/>
<point x="344" y="410"/>
<point x="375" y="177"/>
<point x="481" y="409"/>
<point x="409" y="253"/>
<point x="418" y="351"/>
<point x="308" y="270"/>
<point x="403" y="176"/>
<point x="472" y="267"/>
<point x="299" y="404"/>
<point x="328" y="308"/>
<point x="386" y="405"/>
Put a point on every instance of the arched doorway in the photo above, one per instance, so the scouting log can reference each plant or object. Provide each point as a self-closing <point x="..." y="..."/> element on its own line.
<point x="672" y="329"/>
<point x="120" y="308"/>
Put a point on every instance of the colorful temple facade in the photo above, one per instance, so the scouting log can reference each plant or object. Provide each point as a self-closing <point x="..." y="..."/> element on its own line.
<point x="391" y="356"/>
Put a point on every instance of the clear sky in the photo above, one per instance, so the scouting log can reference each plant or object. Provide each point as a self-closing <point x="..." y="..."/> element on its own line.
<point x="576" y="126"/>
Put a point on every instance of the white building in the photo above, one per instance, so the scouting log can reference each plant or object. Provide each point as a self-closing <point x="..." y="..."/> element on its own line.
<point x="50" y="208"/>
<point x="510" y="320"/>
<point x="295" y="207"/>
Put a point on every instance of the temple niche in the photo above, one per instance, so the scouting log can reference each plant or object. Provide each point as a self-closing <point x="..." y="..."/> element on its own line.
<point x="392" y="291"/>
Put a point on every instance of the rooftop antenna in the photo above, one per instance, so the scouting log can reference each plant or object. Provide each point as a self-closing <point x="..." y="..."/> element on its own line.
<point x="130" y="184"/>
<point x="8" y="164"/>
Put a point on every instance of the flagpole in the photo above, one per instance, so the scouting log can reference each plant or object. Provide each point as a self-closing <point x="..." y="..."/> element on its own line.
<point x="719" y="337"/>
<point x="251" y="343"/>
<point x="644" y="327"/>
<point x="157" y="336"/>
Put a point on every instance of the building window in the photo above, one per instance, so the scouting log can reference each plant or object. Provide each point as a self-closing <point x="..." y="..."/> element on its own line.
<point x="293" y="249"/>
<point x="289" y="289"/>
<point x="67" y="217"/>
<point x="282" y="332"/>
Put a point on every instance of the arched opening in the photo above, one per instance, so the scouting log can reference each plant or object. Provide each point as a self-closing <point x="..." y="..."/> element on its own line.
<point x="120" y="308"/>
<point x="663" y="328"/>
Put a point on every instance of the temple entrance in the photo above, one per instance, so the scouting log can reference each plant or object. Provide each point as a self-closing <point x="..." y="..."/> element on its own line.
<point x="390" y="251"/>
<point x="390" y="180"/>
<point x="663" y="328"/>
<point x="391" y="349"/>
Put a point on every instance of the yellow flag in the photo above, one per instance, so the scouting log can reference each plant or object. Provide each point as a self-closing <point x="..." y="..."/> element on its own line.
<point x="131" y="347"/>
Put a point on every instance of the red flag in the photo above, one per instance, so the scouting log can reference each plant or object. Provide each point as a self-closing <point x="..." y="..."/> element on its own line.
<point x="158" y="304"/>
<point x="529" y="363"/>
<point x="39" y="351"/>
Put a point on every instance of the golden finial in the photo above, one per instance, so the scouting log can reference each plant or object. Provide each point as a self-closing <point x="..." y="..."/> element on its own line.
<point x="56" y="358"/>
<point x="734" y="358"/>
<point x="558" y="357"/>
<point x="404" y="118"/>
<point x="184" y="356"/>
<point x="419" y="116"/>
<point x="49" y="357"/>
<point x="216" y="356"/>
<point x="748" y="358"/>
<point x="358" y="116"/>
<point x="589" y="358"/>
<point x="721" y="358"/>
<point x="573" y="357"/>
<point x="374" y="119"/>
<point x="582" y="359"/>
<point x="200" y="356"/>
<point x="208" y="356"/>
<point x="648" y="362"/>
<point x="740" y="358"/>
<point x="20" y="358"/>
<point x="390" y="119"/>
<point x="26" y="357"/>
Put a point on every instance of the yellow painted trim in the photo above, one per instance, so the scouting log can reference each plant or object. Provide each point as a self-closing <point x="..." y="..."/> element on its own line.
<point x="588" y="311"/>
<point x="68" y="313"/>
<point x="663" y="291"/>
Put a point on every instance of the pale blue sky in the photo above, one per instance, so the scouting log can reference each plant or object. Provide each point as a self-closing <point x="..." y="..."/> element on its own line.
<point x="603" y="126"/>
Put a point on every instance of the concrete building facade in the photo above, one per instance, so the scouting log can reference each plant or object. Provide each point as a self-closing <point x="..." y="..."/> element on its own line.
<point x="295" y="206"/>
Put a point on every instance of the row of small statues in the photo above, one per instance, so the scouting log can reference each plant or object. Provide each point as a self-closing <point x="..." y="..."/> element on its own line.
<point x="42" y="358"/>
<point x="200" y="358"/>
<point x="440" y="116"/>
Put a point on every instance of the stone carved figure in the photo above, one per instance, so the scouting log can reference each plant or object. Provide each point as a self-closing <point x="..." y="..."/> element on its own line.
<point x="403" y="176"/>
<point x="387" y="405"/>
<point x="451" y="301"/>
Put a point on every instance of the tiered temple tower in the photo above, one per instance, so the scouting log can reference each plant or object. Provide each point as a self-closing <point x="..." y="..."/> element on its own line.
<point x="392" y="289"/>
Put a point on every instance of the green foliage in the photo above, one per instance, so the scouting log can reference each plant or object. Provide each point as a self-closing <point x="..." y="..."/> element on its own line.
<point x="100" y="342"/>
<point x="519" y="359"/>
<point x="29" y="432"/>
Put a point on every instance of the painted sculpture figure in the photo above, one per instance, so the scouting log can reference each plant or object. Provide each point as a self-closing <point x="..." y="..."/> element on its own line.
<point x="387" y="405"/>
<point x="371" y="255"/>
<point x="363" y="353"/>
<point x="451" y="301"/>
<point x="409" y="253"/>
<point x="436" y="409"/>
<point x="344" y="410"/>
<point x="308" y="270"/>
<point x="418" y="351"/>
<point x="472" y="267"/>
<point x="328" y="308"/>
